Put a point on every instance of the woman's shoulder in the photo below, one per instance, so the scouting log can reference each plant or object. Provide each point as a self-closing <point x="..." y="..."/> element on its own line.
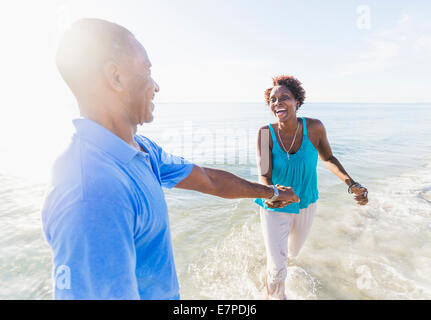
<point x="314" y="124"/>
<point x="264" y="130"/>
<point x="266" y="126"/>
<point x="316" y="130"/>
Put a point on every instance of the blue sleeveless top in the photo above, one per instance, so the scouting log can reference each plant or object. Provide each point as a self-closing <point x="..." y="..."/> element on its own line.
<point x="298" y="172"/>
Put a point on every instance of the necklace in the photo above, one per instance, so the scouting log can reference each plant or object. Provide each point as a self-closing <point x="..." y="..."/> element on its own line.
<point x="293" y="141"/>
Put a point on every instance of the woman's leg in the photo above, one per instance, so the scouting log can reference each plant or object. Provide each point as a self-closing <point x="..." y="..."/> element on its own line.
<point x="275" y="227"/>
<point x="301" y="226"/>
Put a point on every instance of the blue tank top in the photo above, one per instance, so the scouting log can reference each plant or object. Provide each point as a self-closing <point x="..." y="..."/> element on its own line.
<point x="298" y="171"/>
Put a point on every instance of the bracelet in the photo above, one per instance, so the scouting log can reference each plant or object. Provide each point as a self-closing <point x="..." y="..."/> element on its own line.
<point x="354" y="184"/>
<point x="275" y="195"/>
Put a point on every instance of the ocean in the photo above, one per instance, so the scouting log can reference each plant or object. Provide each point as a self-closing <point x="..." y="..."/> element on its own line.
<point x="379" y="251"/>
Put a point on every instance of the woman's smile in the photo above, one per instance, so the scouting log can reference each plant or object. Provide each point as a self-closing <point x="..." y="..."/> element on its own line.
<point x="282" y="112"/>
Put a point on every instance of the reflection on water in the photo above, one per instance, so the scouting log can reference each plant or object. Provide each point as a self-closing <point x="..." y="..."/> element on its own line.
<point x="25" y="257"/>
<point x="381" y="251"/>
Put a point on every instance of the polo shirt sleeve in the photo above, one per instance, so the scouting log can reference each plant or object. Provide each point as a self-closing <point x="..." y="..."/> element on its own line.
<point x="173" y="169"/>
<point x="94" y="252"/>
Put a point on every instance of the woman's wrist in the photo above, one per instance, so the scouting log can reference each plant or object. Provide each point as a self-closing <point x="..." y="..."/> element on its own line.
<point x="349" y="182"/>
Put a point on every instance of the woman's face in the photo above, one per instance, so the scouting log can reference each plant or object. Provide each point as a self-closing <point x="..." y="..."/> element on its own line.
<point x="282" y="103"/>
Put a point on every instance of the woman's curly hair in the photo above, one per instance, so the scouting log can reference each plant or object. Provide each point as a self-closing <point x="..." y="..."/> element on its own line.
<point x="291" y="83"/>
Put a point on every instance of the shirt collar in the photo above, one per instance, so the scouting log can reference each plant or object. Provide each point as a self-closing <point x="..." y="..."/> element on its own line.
<point x="104" y="139"/>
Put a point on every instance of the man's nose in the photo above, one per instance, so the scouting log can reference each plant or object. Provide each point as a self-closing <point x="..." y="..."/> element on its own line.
<point x="156" y="86"/>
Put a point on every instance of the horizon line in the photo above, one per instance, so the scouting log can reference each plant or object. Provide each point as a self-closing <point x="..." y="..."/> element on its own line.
<point x="263" y="102"/>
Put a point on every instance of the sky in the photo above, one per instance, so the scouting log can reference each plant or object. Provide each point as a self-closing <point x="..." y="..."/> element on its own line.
<point x="218" y="51"/>
<point x="228" y="51"/>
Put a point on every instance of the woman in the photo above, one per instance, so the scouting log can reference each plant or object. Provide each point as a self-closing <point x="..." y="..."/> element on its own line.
<point x="287" y="153"/>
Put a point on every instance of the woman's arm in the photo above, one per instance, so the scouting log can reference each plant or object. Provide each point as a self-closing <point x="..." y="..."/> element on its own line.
<point x="332" y="163"/>
<point x="264" y="162"/>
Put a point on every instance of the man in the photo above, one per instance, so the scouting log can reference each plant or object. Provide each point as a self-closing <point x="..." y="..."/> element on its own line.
<point x="105" y="216"/>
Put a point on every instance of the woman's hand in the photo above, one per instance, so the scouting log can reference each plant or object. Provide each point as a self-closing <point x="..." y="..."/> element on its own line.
<point x="275" y="204"/>
<point x="284" y="192"/>
<point x="361" y="194"/>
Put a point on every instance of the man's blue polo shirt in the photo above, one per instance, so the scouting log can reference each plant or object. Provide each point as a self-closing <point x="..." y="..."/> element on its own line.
<point x="106" y="219"/>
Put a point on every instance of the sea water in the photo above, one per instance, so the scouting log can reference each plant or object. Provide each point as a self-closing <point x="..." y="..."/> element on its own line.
<point x="379" y="251"/>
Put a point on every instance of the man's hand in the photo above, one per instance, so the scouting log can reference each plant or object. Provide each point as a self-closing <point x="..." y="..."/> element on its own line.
<point x="286" y="197"/>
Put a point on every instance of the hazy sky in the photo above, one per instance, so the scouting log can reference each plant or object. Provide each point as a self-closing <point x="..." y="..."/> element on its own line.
<point x="212" y="51"/>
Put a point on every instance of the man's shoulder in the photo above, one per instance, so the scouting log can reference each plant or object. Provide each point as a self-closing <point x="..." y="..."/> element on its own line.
<point x="161" y="156"/>
<point x="145" y="138"/>
<point x="149" y="143"/>
<point x="102" y="177"/>
<point x="81" y="162"/>
<point x="81" y="173"/>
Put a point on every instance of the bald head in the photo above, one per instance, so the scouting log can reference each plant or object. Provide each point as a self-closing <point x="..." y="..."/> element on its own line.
<point x="86" y="46"/>
<point x="108" y="71"/>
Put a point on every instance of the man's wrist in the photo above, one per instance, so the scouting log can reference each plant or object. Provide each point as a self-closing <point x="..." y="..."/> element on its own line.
<point x="269" y="192"/>
<point x="275" y="193"/>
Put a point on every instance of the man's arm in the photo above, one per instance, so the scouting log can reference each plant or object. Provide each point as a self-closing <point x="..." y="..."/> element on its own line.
<point x="227" y="185"/>
<point x="176" y="172"/>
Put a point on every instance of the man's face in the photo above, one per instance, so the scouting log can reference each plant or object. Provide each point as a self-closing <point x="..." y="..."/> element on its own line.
<point x="141" y="87"/>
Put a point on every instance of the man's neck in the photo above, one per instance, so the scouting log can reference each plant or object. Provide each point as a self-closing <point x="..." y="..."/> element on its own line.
<point x="118" y="124"/>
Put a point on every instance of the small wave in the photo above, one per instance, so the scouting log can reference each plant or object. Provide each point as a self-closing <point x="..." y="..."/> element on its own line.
<point x="381" y="280"/>
<point x="236" y="268"/>
<point x="301" y="285"/>
<point x="387" y="255"/>
<point x="425" y="194"/>
<point x="233" y="269"/>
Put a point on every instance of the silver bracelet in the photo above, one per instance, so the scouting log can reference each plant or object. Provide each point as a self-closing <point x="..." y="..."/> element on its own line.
<point x="276" y="193"/>
<point x="354" y="184"/>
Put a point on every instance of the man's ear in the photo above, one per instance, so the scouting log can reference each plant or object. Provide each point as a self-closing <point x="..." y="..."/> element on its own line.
<point x="111" y="72"/>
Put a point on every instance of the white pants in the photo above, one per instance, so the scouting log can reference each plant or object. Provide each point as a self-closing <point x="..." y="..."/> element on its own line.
<point x="284" y="234"/>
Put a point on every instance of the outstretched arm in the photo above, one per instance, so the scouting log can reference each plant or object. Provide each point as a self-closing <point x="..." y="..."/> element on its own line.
<point x="227" y="185"/>
<point x="332" y="163"/>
